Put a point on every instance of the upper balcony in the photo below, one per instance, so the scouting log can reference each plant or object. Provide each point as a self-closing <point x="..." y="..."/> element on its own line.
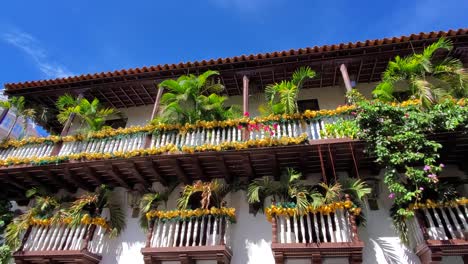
<point x="142" y="155"/>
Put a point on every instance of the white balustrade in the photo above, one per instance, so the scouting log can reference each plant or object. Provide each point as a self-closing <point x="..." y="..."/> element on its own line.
<point x="202" y="231"/>
<point x="64" y="237"/>
<point x="27" y="151"/>
<point x="104" y="145"/>
<point x="314" y="228"/>
<point x="440" y="224"/>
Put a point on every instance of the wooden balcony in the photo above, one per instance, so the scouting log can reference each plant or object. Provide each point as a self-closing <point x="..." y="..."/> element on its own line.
<point x="438" y="232"/>
<point x="188" y="161"/>
<point x="189" y="240"/>
<point x="315" y="236"/>
<point x="61" y="244"/>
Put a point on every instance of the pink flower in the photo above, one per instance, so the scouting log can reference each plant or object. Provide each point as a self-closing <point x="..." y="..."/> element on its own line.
<point x="432" y="176"/>
<point x="427" y="168"/>
<point x="442" y="165"/>
<point x="406" y="115"/>
<point x="421" y="188"/>
<point x="353" y="113"/>
<point x="239" y="127"/>
<point x="275" y="126"/>
<point x="391" y="196"/>
<point x="246" y="114"/>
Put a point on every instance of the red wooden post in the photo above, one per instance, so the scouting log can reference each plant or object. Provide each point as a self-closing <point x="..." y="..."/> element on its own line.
<point x="69" y="122"/>
<point x="156" y="103"/>
<point x="150" y="233"/>
<point x="245" y="94"/>
<point x="25" y="238"/>
<point x="352" y="221"/>
<point x="222" y="241"/>
<point x="274" y="230"/>
<point x="344" y="74"/>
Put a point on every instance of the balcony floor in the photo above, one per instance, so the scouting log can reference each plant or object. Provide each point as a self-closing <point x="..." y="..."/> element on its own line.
<point x="57" y="256"/>
<point x="187" y="255"/>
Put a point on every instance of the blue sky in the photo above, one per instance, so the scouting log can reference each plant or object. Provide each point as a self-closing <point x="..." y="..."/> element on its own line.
<point x="48" y="39"/>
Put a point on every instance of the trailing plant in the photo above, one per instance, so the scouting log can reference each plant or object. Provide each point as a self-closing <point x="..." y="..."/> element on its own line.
<point x="282" y="97"/>
<point x="189" y="214"/>
<point x="151" y="200"/>
<point x="291" y="192"/>
<point x="424" y="76"/>
<point x="203" y="195"/>
<point x="91" y="205"/>
<point x="18" y="107"/>
<point x="43" y="206"/>
<point x="91" y="115"/>
<point x="288" y="189"/>
<point x="5" y="254"/>
<point x="354" y="96"/>
<point x="192" y="98"/>
<point x="340" y="128"/>
<point x="398" y="136"/>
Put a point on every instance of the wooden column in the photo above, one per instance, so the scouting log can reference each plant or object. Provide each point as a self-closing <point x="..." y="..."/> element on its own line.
<point x="344" y="74"/>
<point x="69" y="122"/>
<point x="245" y="93"/>
<point x="352" y="221"/>
<point x="150" y="233"/>
<point x="156" y="103"/>
<point x="274" y="230"/>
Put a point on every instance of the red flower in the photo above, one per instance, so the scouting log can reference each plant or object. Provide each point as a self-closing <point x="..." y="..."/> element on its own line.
<point x="246" y="114"/>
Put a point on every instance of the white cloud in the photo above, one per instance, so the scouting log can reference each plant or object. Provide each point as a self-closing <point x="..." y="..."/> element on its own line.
<point x="33" y="48"/>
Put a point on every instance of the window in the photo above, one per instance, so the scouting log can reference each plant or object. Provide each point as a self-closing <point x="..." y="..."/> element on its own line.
<point x="116" y="123"/>
<point x="310" y="104"/>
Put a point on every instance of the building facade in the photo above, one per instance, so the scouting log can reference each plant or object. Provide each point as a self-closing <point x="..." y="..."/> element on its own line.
<point x="251" y="239"/>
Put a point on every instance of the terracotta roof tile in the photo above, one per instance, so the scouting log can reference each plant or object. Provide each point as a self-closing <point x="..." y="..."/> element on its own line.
<point x="251" y="57"/>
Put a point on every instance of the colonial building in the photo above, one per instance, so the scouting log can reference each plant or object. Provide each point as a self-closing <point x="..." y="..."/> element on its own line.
<point x="252" y="238"/>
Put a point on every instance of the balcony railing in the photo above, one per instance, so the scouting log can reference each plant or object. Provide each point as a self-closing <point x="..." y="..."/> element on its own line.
<point x="187" y="238"/>
<point x="64" y="237"/>
<point x="316" y="235"/>
<point x="439" y="231"/>
<point x="315" y="228"/>
<point x="204" y="231"/>
<point x="42" y="149"/>
<point x="62" y="243"/>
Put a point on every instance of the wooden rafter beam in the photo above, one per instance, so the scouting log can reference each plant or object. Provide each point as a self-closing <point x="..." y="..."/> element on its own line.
<point x="69" y="176"/>
<point x="136" y="172"/>
<point x="92" y="174"/>
<point x="148" y="94"/>
<point x="118" y="98"/>
<point x="126" y="95"/>
<point x="50" y="175"/>
<point x="222" y="167"/>
<point x="249" y="171"/>
<point x="359" y="71"/>
<point x="137" y="95"/>
<point x="179" y="171"/>
<point x="105" y="97"/>
<point x="373" y="70"/>
<point x="197" y="168"/>
<point x="36" y="182"/>
<point x="154" y="171"/>
<point x="114" y="172"/>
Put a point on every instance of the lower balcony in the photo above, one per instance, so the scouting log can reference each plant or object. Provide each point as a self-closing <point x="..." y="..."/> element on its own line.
<point x="189" y="240"/>
<point x="316" y="236"/>
<point x="439" y="232"/>
<point x="61" y="244"/>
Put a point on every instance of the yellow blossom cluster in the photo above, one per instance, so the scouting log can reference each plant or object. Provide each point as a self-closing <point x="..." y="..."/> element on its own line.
<point x="434" y="204"/>
<point x="170" y="148"/>
<point x="274" y="210"/>
<point x="86" y="220"/>
<point x="30" y="140"/>
<point x="253" y="143"/>
<point x="228" y="212"/>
